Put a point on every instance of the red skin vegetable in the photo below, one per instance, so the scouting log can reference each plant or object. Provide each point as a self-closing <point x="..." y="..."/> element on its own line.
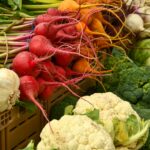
<point x="26" y="63"/>
<point x="41" y="46"/>
<point x="48" y="70"/>
<point x="63" y="60"/>
<point x="29" y="90"/>
<point x="41" y="29"/>
<point x="52" y="72"/>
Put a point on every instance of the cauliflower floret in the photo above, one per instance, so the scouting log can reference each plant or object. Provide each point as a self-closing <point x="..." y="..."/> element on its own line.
<point x="76" y="132"/>
<point x="109" y="104"/>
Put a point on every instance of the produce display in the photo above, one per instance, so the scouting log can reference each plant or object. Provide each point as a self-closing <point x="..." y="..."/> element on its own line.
<point x="46" y="45"/>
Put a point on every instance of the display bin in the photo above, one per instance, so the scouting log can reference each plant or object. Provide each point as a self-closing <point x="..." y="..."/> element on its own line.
<point x="2" y="140"/>
<point x="6" y="118"/>
<point x="18" y="126"/>
<point x="23" y="128"/>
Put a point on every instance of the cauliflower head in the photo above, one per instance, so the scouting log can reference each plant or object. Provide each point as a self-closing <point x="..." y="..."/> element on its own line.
<point x="77" y="132"/>
<point x="109" y="104"/>
<point x="118" y="117"/>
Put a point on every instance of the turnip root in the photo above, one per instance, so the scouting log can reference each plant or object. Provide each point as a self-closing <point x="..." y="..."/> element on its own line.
<point x="135" y="23"/>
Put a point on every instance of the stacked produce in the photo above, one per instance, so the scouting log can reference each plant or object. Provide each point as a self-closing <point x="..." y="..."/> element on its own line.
<point x="107" y="41"/>
<point x="64" y="48"/>
<point x="98" y="121"/>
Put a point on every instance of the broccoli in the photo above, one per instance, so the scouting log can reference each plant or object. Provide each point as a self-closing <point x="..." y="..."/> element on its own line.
<point x="129" y="81"/>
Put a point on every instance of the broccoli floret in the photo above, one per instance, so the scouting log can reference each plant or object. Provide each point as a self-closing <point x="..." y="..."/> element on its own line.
<point x="129" y="81"/>
<point x="134" y="84"/>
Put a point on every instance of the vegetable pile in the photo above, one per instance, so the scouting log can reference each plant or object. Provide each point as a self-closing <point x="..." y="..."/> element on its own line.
<point x="103" y="121"/>
<point x="50" y="44"/>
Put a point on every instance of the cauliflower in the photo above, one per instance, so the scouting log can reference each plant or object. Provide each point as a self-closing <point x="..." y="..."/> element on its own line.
<point x="76" y="132"/>
<point x="118" y="117"/>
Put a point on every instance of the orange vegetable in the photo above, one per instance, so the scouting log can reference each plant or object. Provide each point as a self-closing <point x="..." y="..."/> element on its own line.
<point x="86" y="51"/>
<point x="97" y="26"/>
<point x="83" y="66"/>
<point x="81" y="26"/>
<point x="72" y="5"/>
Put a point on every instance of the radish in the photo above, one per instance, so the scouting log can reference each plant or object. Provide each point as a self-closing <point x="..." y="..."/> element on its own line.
<point x="60" y="74"/>
<point x="26" y="63"/>
<point x="62" y="36"/>
<point x="29" y="89"/>
<point x="47" y="87"/>
<point x="47" y="92"/>
<point x="42" y="18"/>
<point x="41" y="29"/>
<point x="52" y="72"/>
<point x="63" y="60"/>
<point x="42" y="86"/>
<point x="41" y="46"/>
<point x="54" y="12"/>
<point x="48" y="70"/>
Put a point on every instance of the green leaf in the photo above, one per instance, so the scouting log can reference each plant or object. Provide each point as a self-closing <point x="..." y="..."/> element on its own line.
<point x="94" y="115"/>
<point x="30" y="146"/>
<point x="121" y="132"/>
<point x="27" y="105"/>
<point x="133" y="125"/>
<point x="12" y="4"/>
<point x="18" y="3"/>
<point x="68" y="110"/>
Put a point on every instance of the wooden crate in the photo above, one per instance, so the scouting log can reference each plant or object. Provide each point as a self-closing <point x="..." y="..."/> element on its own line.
<point x="2" y="140"/>
<point x="23" y="128"/>
<point x="18" y="126"/>
<point x="6" y="118"/>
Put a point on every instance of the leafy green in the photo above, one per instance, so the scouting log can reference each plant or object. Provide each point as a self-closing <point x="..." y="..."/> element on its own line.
<point x="94" y="115"/>
<point x="68" y="110"/>
<point x="65" y="106"/>
<point x="132" y="125"/>
<point x="131" y="131"/>
<point x="141" y="53"/>
<point x="30" y="107"/>
<point x="145" y="114"/>
<point x="30" y="146"/>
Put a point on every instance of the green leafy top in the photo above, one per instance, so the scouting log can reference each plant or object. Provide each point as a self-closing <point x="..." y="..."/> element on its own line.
<point x="131" y="131"/>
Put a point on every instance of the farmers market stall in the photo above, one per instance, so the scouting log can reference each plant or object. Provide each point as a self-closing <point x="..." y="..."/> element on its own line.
<point x="74" y="74"/>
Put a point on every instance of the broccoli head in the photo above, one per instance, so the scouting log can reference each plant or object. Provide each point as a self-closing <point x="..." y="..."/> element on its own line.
<point x="128" y="80"/>
<point x="134" y="84"/>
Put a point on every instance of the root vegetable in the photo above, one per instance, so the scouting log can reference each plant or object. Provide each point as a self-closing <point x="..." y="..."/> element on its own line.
<point x="29" y="89"/>
<point x="26" y="63"/>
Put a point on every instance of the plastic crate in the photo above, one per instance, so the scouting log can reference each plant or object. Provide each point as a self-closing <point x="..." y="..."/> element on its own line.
<point x="23" y="128"/>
